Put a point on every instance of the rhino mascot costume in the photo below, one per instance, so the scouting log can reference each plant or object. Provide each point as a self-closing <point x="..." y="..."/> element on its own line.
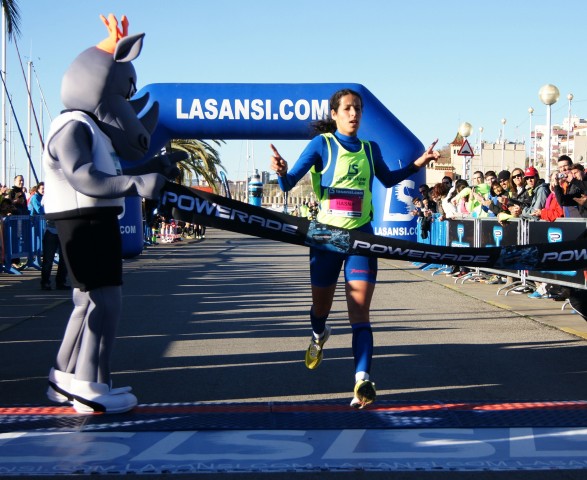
<point x="85" y="190"/>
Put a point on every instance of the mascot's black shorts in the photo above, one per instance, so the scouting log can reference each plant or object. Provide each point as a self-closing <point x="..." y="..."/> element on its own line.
<point x="92" y="247"/>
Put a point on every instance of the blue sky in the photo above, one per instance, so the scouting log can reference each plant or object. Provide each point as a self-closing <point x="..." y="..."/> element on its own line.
<point x="433" y="64"/>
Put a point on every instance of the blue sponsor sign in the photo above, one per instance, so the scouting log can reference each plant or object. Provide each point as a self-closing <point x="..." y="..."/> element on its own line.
<point x="286" y="111"/>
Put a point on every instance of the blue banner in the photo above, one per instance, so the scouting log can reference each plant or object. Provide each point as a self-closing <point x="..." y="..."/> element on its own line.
<point x="286" y="111"/>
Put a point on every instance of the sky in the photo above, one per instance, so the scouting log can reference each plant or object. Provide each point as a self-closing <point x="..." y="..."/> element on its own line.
<point x="433" y="64"/>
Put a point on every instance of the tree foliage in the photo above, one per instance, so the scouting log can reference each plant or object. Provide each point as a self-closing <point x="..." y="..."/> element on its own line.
<point x="12" y="14"/>
<point x="203" y="161"/>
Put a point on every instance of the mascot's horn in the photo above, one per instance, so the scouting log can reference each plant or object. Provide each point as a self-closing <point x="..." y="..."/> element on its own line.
<point x="149" y="119"/>
<point x="139" y="103"/>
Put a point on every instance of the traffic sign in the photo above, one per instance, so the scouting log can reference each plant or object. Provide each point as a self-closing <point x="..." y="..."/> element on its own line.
<point x="466" y="150"/>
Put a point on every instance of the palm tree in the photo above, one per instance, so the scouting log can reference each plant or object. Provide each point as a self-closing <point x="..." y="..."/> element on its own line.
<point x="12" y="16"/>
<point x="203" y="161"/>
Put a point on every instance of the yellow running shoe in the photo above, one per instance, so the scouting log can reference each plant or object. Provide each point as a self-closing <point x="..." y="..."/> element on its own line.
<point x="364" y="394"/>
<point x="314" y="353"/>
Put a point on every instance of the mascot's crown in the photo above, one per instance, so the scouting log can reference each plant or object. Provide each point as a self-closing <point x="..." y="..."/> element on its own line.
<point x="114" y="33"/>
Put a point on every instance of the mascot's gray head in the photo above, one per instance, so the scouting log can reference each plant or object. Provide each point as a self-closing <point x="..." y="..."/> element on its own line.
<point x="102" y="80"/>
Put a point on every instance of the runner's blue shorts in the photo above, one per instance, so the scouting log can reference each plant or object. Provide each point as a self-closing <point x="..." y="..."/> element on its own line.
<point x="325" y="266"/>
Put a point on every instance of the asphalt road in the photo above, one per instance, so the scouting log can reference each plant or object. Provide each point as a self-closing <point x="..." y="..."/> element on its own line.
<point x="226" y="320"/>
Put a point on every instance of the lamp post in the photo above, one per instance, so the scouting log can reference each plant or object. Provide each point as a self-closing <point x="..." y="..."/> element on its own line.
<point x="570" y="99"/>
<point x="465" y="130"/>
<point x="530" y="144"/>
<point x="481" y="147"/>
<point x="503" y="122"/>
<point x="548" y="95"/>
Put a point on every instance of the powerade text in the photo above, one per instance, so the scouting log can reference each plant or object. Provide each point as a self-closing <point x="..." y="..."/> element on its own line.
<point x="204" y="207"/>
<point x="399" y="252"/>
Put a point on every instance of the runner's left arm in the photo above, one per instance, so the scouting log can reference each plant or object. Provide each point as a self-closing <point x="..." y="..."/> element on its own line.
<point x="310" y="157"/>
<point x="384" y="174"/>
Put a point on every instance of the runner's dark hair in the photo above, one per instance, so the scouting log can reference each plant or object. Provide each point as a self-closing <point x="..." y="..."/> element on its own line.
<point x="328" y="125"/>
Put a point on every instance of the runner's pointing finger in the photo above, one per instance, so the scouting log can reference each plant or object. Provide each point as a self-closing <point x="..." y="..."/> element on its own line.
<point x="275" y="152"/>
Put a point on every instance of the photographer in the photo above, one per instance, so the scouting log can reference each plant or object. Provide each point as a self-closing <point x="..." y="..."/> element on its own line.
<point x="571" y="192"/>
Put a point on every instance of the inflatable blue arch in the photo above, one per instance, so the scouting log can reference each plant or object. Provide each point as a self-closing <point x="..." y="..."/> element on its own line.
<point x="234" y="111"/>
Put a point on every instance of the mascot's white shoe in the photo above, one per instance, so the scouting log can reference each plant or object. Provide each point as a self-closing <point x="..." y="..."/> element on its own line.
<point x="59" y="384"/>
<point x="59" y="390"/>
<point x="91" y="397"/>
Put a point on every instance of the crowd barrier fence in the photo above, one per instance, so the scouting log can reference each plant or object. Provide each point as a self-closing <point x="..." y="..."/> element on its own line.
<point x="22" y="238"/>
<point x="487" y="232"/>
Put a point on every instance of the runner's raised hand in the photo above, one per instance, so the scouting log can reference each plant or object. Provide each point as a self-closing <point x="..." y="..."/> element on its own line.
<point x="278" y="164"/>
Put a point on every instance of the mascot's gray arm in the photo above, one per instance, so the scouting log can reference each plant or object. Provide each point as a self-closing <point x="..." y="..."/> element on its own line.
<point x="163" y="164"/>
<point x="72" y="146"/>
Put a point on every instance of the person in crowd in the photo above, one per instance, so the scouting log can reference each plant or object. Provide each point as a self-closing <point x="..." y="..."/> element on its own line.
<point x="497" y="201"/>
<point x="504" y="179"/>
<point x="438" y="193"/>
<point x="451" y="209"/>
<point x="424" y="190"/>
<point x="578" y="171"/>
<point x="478" y="178"/>
<point x="446" y="180"/>
<point x="31" y="194"/>
<point x="3" y="191"/>
<point x="337" y="149"/>
<point x="552" y="209"/>
<point x="17" y="194"/>
<point x="572" y="193"/>
<point x="519" y="192"/>
<point x="455" y="208"/>
<point x="51" y="246"/>
<point x="538" y="192"/>
<point x="490" y="177"/>
<point x="424" y="214"/>
<point x="7" y="208"/>
<point x="473" y="196"/>
<point x="36" y="200"/>
<point x="313" y="210"/>
<point x="417" y="211"/>
<point x="304" y="209"/>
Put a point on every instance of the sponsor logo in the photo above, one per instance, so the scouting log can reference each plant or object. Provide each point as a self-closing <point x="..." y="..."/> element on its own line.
<point x="250" y="109"/>
<point x="554" y="235"/>
<point x="395" y="231"/>
<point x="497" y="235"/>
<point x="200" y="206"/>
<point x="398" y="202"/>
<point x="410" y="253"/>
<point x="353" y="170"/>
<point x="565" y="256"/>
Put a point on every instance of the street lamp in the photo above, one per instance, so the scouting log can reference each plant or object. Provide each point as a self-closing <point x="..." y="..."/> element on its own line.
<point x="548" y="95"/>
<point x="481" y="147"/>
<point x="465" y="130"/>
<point x="503" y="122"/>
<point x="530" y="145"/>
<point x="569" y="98"/>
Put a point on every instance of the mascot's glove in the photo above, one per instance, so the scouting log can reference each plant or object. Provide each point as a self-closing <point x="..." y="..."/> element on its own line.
<point x="150" y="185"/>
<point x="164" y="164"/>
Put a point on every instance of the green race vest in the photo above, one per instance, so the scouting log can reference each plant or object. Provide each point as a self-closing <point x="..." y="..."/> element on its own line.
<point x="346" y="200"/>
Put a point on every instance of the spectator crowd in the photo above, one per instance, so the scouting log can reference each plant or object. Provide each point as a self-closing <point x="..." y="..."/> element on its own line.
<point x="507" y="195"/>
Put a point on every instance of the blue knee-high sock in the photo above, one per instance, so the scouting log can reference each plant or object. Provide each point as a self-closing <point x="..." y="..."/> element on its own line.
<point x="362" y="346"/>
<point x="318" y="324"/>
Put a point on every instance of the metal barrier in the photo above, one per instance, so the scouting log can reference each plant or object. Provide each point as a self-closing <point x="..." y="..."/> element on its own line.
<point x="437" y="234"/>
<point x="22" y="237"/>
<point x="487" y="232"/>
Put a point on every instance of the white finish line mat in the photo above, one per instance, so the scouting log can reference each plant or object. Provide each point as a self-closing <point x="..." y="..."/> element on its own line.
<point x="291" y="437"/>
